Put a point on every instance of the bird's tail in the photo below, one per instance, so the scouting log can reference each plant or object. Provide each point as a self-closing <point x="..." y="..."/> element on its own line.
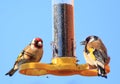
<point x="11" y="72"/>
<point x="101" y="72"/>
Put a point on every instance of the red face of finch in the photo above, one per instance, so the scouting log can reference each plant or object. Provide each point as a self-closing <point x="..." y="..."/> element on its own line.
<point x="38" y="43"/>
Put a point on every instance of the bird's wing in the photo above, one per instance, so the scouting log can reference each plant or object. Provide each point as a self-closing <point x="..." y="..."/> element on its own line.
<point x="27" y="51"/>
<point x="21" y="55"/>
<point x="100" y="56"/>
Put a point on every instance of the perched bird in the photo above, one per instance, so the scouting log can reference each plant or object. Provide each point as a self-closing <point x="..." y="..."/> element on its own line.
<point x="95" y="54"/>
<point x="32" y="53"/>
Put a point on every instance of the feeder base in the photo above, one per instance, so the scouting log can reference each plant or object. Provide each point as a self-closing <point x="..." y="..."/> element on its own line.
<point x="63" y="66"/>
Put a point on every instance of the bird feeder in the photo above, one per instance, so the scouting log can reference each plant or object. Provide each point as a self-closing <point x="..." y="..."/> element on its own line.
<point x="64" y="61"/>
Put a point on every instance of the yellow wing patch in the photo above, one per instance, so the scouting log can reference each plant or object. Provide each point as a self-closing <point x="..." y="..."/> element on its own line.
<point x="19" y="57"/>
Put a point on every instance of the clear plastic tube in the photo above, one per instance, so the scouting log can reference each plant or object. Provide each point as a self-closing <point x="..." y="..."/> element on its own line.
<point x="63" y="25"/>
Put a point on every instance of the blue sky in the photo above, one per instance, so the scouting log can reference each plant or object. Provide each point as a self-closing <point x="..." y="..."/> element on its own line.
<point x="22" y="20"/>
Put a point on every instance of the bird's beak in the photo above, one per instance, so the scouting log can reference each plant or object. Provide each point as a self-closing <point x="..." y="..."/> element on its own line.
<point x="83" y="42"/>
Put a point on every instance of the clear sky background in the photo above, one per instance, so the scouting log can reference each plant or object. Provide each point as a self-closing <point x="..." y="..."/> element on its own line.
<point x="22" y="20"/>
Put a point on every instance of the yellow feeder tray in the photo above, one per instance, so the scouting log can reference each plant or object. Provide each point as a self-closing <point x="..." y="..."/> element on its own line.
<point x="60" y="66"/>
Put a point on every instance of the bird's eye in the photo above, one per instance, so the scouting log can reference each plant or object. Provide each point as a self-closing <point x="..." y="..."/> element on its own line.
<point x="88" y="39"/>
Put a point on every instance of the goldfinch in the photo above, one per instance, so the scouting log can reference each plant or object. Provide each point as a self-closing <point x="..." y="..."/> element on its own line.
<point x="32" y="53"/>
<point x="95" y="54"/>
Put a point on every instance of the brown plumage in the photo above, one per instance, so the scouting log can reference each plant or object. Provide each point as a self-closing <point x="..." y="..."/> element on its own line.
<point x="98" y="45"/>
<point x="95" y="54"/>
<point x="32" y="53"/>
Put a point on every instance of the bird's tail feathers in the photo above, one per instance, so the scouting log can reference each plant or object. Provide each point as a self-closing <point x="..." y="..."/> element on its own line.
<point x="101" y="72"/>
<point x="11" y="72"/>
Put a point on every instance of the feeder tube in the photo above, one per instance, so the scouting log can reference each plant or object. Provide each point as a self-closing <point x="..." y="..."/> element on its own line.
<point x="63" y="26"/>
